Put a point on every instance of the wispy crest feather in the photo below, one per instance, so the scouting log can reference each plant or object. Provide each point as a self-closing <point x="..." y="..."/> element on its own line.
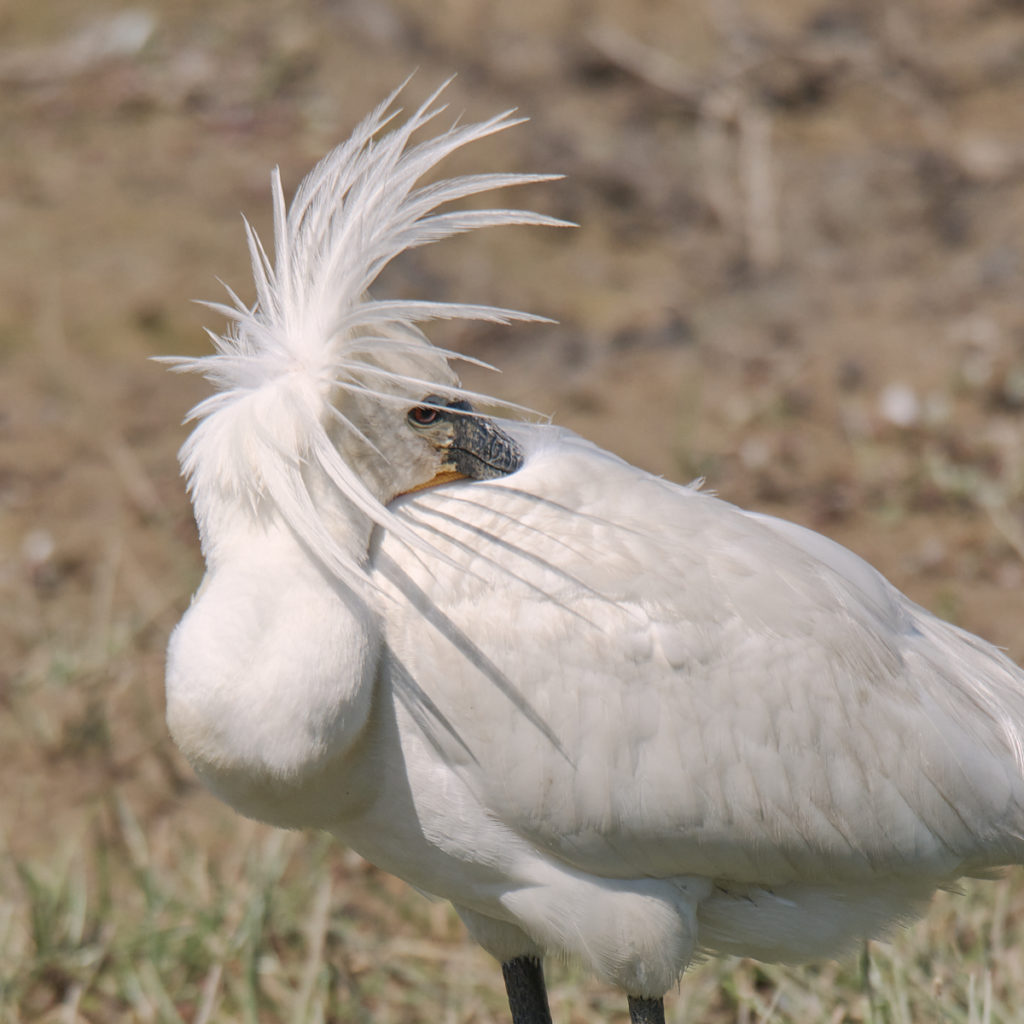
<point x="314" y="330"/>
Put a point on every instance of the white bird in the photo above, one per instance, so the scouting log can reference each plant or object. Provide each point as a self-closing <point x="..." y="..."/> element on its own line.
<point x="606" y="716"/>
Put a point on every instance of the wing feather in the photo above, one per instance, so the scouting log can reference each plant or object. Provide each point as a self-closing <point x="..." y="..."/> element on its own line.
<point x="730" y="696"/>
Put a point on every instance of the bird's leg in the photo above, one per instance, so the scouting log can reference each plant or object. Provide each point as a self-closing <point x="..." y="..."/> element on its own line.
<point x="646" y="1011"/>
<point x="527" y="996"/>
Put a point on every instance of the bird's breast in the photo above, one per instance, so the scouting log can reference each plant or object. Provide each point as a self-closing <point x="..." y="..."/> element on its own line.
<point x="269" y="684"/>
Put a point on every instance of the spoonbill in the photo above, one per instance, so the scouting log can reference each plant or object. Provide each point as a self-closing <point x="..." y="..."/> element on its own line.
<point x="606" y="716"/>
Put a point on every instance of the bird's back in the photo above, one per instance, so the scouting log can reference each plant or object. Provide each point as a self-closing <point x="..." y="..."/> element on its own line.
<point x="642" y="680"/>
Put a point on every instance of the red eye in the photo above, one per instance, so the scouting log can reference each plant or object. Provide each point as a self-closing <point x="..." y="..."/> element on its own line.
<point x="423" y="416"/>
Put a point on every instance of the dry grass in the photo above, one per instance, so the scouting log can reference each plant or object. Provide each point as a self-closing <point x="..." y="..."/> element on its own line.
<point x="799" y="272"/>
<point x="130" y="924"/>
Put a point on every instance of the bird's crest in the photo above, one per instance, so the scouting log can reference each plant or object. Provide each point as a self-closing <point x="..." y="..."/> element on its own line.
<point x="314" y="333"/>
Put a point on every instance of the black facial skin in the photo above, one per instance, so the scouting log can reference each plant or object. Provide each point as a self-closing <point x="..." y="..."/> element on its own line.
<point x="472" y="445"/>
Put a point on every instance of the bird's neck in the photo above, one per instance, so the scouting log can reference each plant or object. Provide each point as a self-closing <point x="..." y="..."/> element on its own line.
<point x="233" y="523"/>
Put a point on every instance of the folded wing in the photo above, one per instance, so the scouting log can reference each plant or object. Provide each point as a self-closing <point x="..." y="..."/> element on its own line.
<point x="643" y="680"/>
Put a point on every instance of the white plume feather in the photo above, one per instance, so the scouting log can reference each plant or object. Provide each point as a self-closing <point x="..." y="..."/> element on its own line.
<point x="315" y="334"/>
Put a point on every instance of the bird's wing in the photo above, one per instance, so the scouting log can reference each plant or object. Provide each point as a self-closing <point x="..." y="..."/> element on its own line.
<point x="641" y="679"/>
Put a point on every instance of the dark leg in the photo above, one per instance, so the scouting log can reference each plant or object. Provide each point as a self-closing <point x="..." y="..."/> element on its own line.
<point x="646" y="1011"/>
<point x="527" y="996"/>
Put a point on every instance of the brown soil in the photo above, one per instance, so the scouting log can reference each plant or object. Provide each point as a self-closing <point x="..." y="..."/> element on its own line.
<point x="799" y="272"/>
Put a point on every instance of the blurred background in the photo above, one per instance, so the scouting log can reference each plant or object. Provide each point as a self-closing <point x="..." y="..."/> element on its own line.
<point x="799" y="273"/>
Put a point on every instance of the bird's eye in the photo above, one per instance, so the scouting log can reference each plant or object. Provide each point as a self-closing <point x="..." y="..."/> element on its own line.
<point x="423" y="416"/>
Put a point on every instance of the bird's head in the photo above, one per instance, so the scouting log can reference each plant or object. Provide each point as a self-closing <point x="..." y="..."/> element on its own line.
<point x="329" y="403"/>
<point x="400" y="439"/>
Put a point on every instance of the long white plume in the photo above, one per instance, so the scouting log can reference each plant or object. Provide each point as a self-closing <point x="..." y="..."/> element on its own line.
<point x="315" y="333"/>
